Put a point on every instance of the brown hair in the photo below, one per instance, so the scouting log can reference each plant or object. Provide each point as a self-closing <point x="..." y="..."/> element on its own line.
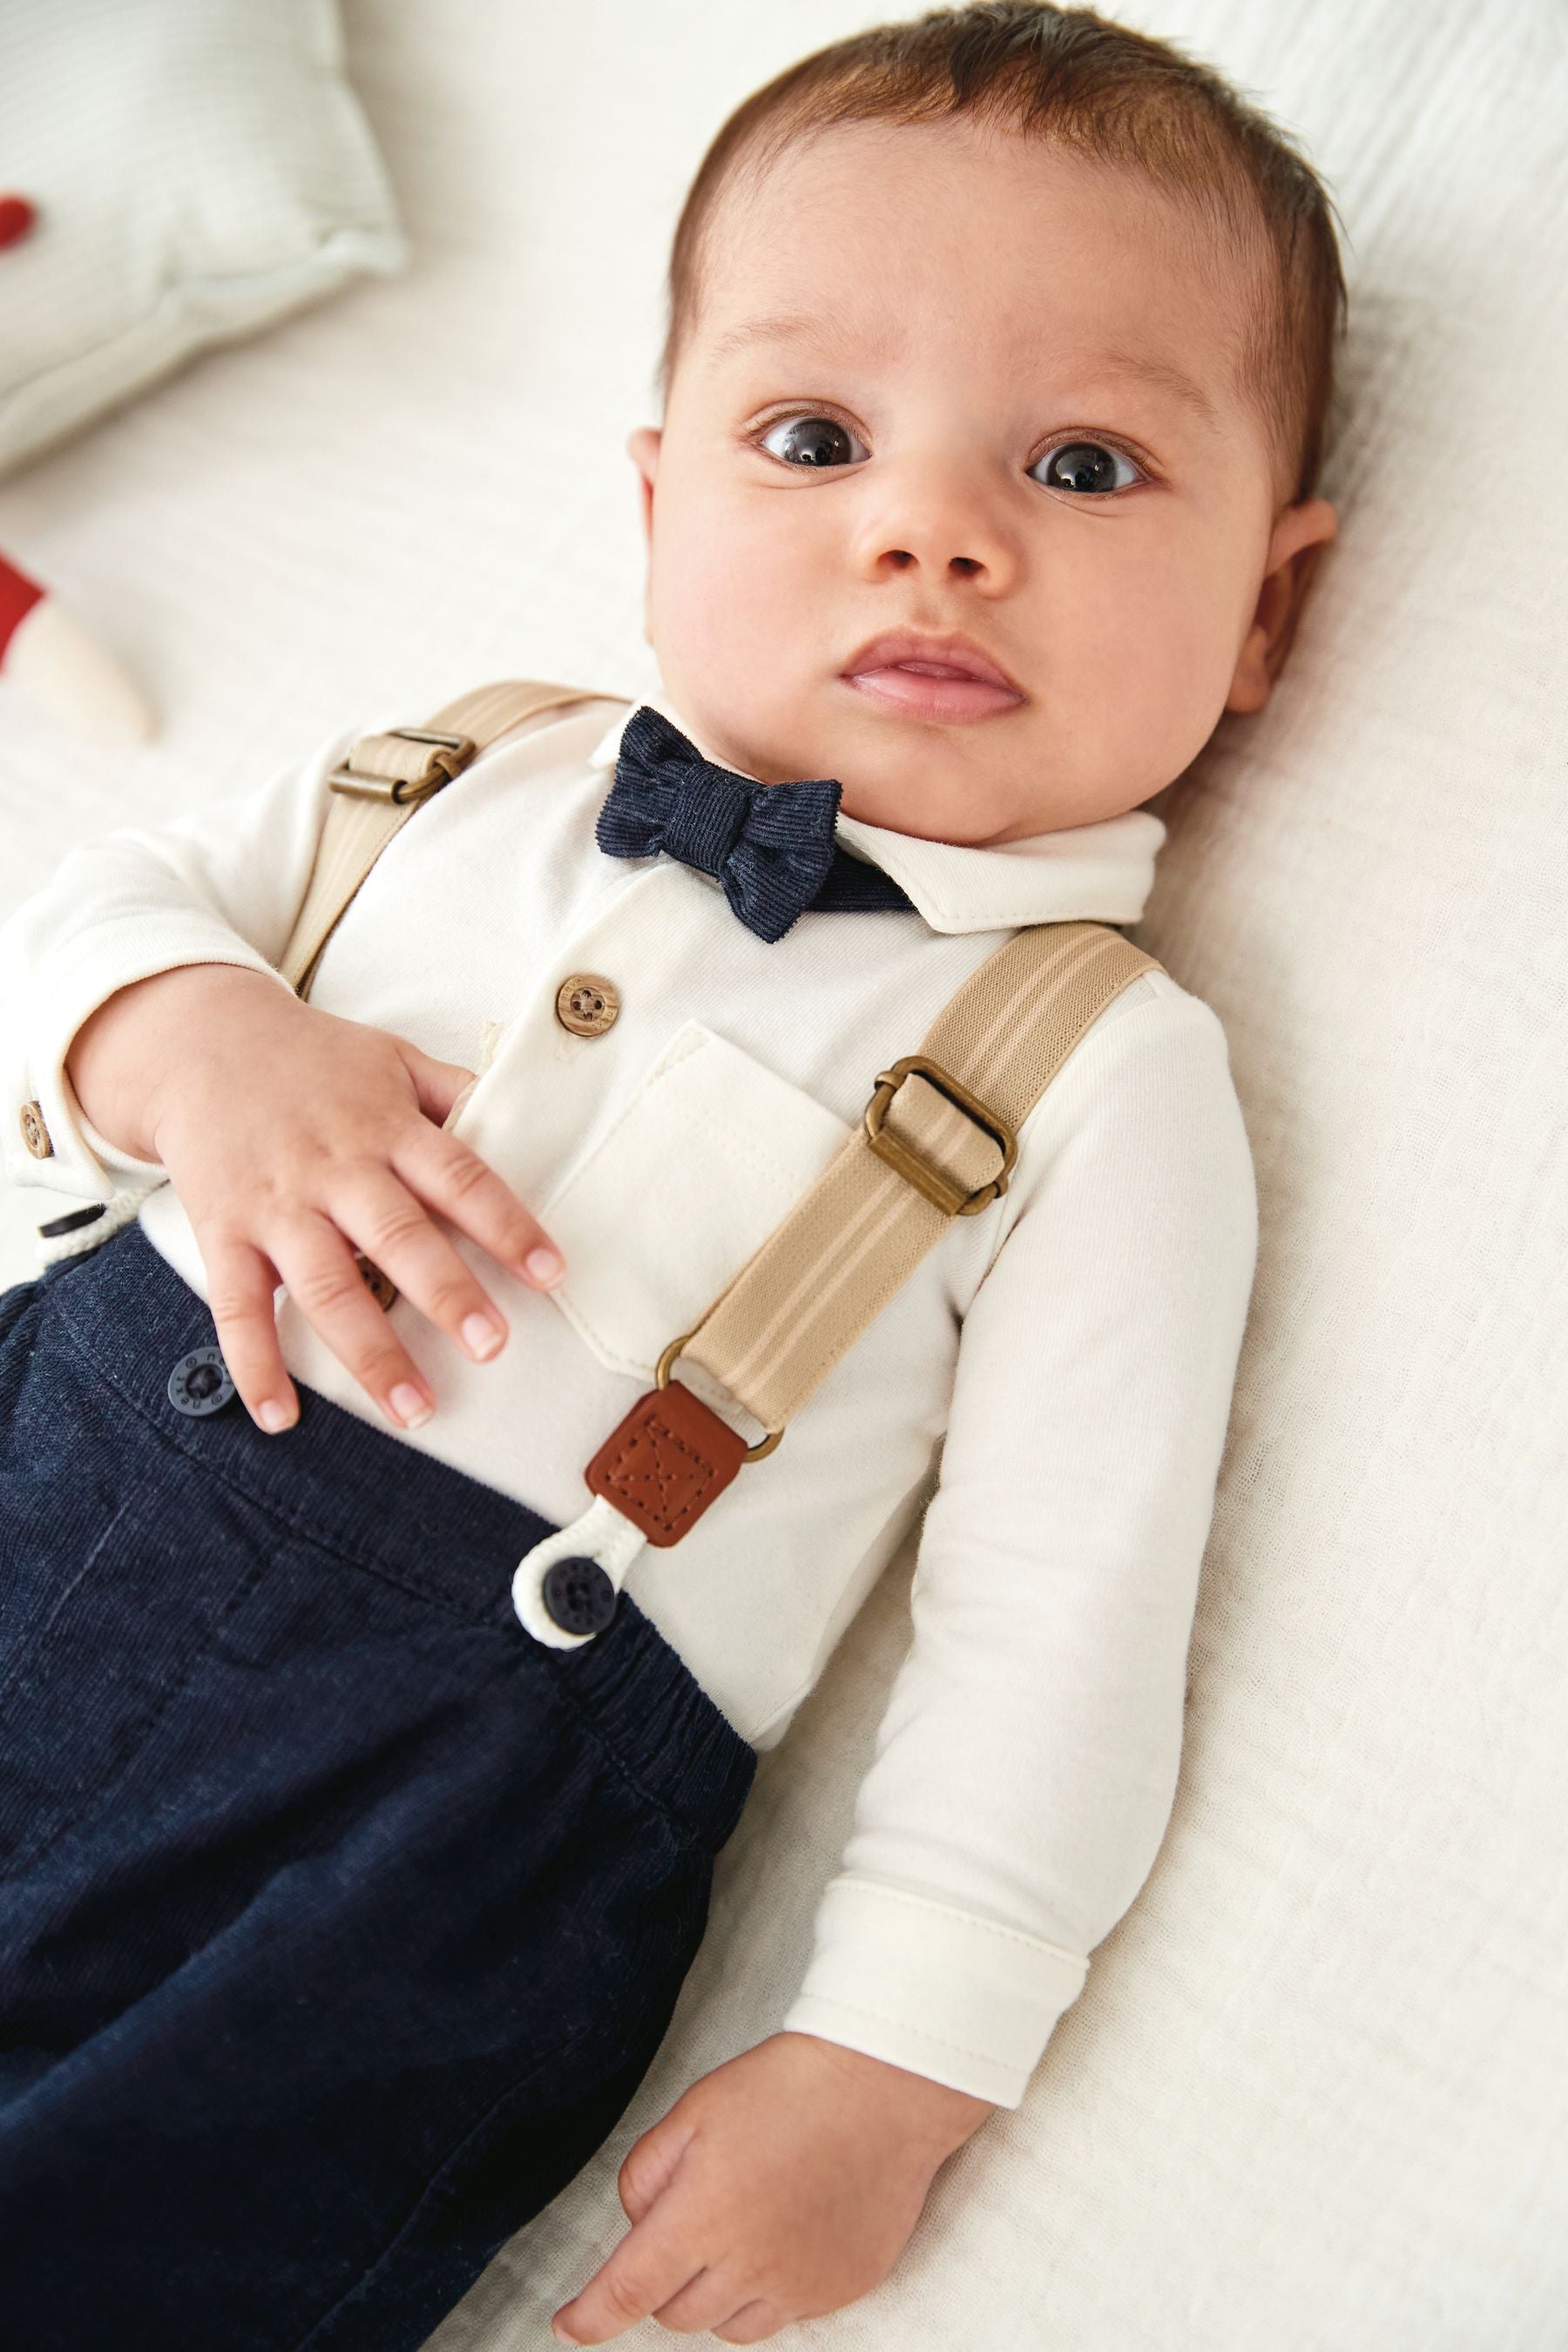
<point x="1116" y="97"/>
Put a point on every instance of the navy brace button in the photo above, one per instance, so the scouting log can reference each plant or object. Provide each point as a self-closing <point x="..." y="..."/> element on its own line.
<point x="578" y="1595"/>
<point x="200" y="1383"/>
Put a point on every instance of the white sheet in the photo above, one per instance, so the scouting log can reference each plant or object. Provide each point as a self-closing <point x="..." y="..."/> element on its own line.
<point x="1312" y="2098"/>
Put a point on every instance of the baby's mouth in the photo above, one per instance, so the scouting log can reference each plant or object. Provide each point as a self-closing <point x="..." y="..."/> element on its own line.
<point x="933" y="669"/>
<point x="940" y="680"/>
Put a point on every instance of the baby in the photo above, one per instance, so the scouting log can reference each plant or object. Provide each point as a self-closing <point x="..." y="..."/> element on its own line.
<point x="999" y="356"/>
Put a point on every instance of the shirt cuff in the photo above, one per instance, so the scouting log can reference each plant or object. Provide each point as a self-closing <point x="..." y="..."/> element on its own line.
<point x="76" y="1232"/>
<point x="80" y="1161"/>
<point x="947" y="1993"/>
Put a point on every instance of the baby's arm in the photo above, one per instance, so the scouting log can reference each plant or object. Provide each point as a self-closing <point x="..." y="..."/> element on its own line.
<point x="152" y="1025"/>
<point x="1025" y="1768"/>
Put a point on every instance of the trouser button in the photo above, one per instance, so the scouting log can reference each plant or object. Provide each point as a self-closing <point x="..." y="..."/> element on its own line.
<point x="200" y="1382"/>
<point x="578" y="1595"/>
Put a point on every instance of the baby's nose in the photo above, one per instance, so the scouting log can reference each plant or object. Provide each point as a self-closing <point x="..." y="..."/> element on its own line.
<point x="985" y="558"/>
<point x="901" y="558"/>
<point x="930" y="521"/>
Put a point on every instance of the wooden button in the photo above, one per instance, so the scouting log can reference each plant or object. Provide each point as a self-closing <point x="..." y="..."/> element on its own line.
<point x="35" y="1134"/>
<point x="587" y="1003"/>
<point x="381" y="1286"/>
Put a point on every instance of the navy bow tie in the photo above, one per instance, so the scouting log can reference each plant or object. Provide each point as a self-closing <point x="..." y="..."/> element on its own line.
<point x="770" y="847"/>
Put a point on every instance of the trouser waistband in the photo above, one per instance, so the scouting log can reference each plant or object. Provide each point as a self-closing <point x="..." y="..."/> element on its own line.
<point x="350" y="1484"/>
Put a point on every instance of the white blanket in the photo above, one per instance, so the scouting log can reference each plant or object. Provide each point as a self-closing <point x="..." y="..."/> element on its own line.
<point x="1312" y="2097"/>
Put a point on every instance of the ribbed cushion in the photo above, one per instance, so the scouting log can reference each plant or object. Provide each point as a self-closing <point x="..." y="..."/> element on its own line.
<point x="200" y="167"/>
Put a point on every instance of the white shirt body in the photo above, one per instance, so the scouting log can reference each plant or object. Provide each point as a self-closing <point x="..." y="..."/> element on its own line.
<point x="1052" y="1384"/>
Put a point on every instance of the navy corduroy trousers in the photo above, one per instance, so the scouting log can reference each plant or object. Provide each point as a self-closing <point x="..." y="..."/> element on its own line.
<point x="340" y="1919"/>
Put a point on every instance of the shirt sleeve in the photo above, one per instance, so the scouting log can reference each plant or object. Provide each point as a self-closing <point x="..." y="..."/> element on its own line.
<point x="221" y="885"/>
<point x="1025" y="1766"/>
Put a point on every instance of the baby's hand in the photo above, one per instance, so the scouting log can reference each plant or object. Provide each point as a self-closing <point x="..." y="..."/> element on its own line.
<point x="782" y="2185"/>
<point x="294" y="1139"/>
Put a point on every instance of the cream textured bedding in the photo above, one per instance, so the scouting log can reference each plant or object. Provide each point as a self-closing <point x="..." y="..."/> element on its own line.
<point x="1313" y="2097"/>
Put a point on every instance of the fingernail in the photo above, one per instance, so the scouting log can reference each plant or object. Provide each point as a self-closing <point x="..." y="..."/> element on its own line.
<point x="408" y="1405"/>
<point x="274" y="1416"/>
<point x="545" y="1267"/>
<point x="559" y="2334"/>
<point x="480" y="1336"/>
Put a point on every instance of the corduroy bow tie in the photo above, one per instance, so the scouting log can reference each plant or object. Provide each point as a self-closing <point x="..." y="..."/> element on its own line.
<point x="770" y="847"/>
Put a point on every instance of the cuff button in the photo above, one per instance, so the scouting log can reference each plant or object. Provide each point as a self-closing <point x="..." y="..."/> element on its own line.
<point x="35" y="1134"/>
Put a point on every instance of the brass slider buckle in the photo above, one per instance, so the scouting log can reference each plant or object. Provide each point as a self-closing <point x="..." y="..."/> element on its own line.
<point x="452" y="757"/>
<point x="662" y="1378"/>
<point x="949" y="1197"/>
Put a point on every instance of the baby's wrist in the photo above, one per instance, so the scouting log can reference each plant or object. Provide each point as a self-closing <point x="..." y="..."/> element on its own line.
<point x="935" y="2113"/>
<point x="126" y="1052"/>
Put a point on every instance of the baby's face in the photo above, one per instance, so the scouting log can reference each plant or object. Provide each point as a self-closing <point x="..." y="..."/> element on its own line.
<point x="909" y="408"/>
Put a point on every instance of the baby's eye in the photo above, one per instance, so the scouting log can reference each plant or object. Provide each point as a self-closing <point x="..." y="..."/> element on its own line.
<point x="1084" y="467"/>
<point x="813" y="441"/>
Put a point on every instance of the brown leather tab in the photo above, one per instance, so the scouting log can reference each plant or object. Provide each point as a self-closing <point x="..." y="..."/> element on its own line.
<point x="666" y="1462"/>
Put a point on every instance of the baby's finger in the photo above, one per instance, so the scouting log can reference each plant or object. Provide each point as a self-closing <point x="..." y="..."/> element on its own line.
<point x="451" y="1177"/>
<point x="396" y="1232"/>
<point x="436" y="1084"/>
<point x="711" y="2302"/>
<point x="653" y="2262"/>
<point x="752" y="2324"/>
<point x="240" y="1284"/>
<point x="324" y="1282"/>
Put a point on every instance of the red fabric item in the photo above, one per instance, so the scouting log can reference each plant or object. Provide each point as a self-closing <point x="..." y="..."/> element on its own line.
<point x="16" y="217"/>
<point x="18" y="595"/>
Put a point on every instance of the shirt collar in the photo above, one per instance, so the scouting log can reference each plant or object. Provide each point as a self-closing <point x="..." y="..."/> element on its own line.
<point x="1096" y="873"/>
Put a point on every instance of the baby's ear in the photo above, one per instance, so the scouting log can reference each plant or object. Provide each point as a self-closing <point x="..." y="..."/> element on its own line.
<point x="1297" y="539"/>
<point x="642" y="449"/>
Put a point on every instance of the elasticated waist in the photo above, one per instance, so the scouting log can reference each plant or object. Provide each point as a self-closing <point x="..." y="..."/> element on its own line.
<point x="357" y="1488"/>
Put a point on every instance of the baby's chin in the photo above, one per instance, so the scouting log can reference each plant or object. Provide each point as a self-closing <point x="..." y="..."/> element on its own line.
<point x="955" y="818"/>
<point x="933" y="784"/>
<point x="931" y="801"/>
<point x="935" y="791"/>
<point x="955" y="785"/>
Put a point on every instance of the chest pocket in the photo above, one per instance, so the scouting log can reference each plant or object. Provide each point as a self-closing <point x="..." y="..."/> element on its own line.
<point x="703" y="1160"/>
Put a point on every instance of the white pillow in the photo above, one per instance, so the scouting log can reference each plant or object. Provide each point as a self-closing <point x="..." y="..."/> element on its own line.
<point x="200" y="168"/>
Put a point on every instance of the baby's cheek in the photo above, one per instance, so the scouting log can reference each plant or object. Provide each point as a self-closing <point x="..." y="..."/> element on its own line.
<point x="1177" y="672"/>
<point x="712" y="587"/>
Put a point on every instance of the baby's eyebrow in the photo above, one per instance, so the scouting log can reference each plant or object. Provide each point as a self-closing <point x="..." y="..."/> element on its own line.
<point x="1163" y="377"/>
<point x="782" y="327"/>
<point x="1136" y="367"/>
